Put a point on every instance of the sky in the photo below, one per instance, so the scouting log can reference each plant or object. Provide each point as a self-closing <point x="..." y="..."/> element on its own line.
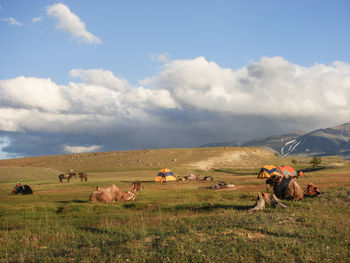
<point x="87" y="75"/>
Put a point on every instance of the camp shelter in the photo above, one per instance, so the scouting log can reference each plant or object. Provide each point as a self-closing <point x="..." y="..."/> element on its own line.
<point x="286" y="170"/>
<point x="165" y="175"/>
<point x="268" y="170"/>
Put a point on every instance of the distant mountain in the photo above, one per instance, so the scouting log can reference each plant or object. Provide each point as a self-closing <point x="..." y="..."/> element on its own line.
<point x="276" y="142"/>
<point x="221" y="144"/>
<point x="321" y="142"/>
<point x="329" y="141"/>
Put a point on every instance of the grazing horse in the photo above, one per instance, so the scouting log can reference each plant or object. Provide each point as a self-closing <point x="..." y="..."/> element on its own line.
<point x="66" y="176"/>
<point x="22" y="189"/>
<point x="82" y="176"/>
<point x="113" y="193"/>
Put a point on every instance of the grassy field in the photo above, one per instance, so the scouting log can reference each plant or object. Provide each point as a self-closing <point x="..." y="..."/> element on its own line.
<point x="172" y="222"/>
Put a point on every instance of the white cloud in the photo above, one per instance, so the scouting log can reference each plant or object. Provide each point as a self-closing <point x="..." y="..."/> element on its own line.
<point x="71" y="23"/>
<point x="164" y="57"/>
<point x="100" y="77"/>
<point x="4" y="142"/>
<point x="36" y="19"/>
<point x="189" y="101"/>
<point x="270" y="87"/>
<point x="81" y="149"/>
<point x="33" y="93"/>
<point x="11" y="21"/>
<point x="101" y="98"/>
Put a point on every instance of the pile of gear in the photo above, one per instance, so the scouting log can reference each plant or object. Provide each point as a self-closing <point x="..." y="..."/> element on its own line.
<point x="194" y="177"/>
<point x="22" y="189"/>
<point x="222" y="185"/>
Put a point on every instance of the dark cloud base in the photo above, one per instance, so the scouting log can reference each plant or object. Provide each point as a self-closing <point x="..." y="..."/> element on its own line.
<point x="175" y="129"/>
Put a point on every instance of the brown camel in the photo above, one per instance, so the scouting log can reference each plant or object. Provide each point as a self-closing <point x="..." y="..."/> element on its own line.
<point x="284" y="187"/>
<point x="138" y="186"/>
<point x="113" y="193"/>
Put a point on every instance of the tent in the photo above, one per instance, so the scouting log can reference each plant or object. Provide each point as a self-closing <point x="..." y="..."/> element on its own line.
<point x="165" y="175"/>
<point x="268" y="170"/>
<point x="286" y="170"/>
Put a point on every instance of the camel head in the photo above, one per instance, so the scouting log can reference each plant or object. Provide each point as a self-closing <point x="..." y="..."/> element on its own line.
<point x="274" y="180"/>
<point x="136" y="186"/>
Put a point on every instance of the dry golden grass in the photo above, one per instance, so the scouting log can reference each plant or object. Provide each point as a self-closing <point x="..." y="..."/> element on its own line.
<point x="172" y="222"/>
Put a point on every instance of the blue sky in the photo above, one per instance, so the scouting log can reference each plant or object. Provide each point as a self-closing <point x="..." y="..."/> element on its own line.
<point x="197" y="64"/>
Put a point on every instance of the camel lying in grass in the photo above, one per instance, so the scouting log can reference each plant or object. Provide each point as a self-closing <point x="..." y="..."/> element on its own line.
<point x="284" y="187"/>
<point x="113" y="193"/>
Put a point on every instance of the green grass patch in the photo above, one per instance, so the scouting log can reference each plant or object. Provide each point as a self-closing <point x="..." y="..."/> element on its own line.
<point x="173" y="222"/>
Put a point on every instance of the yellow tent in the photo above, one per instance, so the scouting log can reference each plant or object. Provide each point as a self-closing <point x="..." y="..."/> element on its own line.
<point x="268" y="170"/>
<point x="165" y="175"/>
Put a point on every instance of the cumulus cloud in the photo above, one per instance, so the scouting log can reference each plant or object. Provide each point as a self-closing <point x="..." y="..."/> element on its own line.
<point x="36" y="19"/>
<point x="164" y="57"/>
<point x="69" y="22"/>
<point x="81" y="149"/>
<point x="33" y="93"/>
<point x="11" y="21"/>
<point x="100" y="77"/>
<point x="188" y="103"/>
<point x="29" y="103"/>
<point x="4" y="142"/>
<point x="270" y="87"/>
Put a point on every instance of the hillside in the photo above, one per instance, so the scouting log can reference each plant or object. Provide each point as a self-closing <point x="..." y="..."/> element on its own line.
<point x="276" y="142"/>
<point x="329" y="141"/>
<point x="323" y="142"/>
<point x="196" y="158"/>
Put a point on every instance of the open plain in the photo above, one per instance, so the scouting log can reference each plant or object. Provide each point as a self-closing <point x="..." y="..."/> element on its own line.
<point x="175" y="221"/>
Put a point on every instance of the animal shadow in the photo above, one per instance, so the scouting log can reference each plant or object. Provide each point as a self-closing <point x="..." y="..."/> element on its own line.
<point x="72" y="201"/>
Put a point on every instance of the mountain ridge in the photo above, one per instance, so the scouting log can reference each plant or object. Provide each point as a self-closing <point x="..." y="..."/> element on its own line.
<point x="320" y="142"/>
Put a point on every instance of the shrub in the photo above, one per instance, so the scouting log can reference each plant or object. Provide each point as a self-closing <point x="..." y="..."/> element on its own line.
<point x="316" y="161"/>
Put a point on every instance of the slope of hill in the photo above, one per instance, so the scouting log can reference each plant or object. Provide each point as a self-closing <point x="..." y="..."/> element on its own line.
<point x="195" y="158"/>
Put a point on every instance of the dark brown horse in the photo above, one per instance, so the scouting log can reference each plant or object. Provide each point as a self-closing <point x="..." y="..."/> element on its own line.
<point x="82" y="176"/>
<point x="66" y="176"/>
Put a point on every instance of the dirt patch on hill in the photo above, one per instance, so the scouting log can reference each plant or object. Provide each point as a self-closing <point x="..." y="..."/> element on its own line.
<point x="237" y="157"/>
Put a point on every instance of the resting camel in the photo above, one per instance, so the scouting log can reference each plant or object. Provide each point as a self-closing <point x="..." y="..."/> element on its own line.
<point x="113" y="193"/>
<point x="284" y="187"/>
